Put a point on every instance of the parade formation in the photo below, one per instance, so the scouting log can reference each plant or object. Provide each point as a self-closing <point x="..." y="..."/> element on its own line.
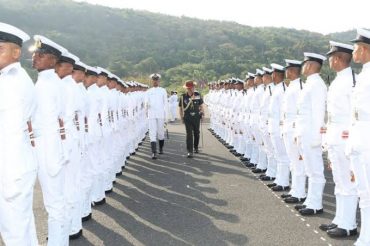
<point x="73" y="130"/>
<point x="75" y="127"/>
<point x="279" y="126"/>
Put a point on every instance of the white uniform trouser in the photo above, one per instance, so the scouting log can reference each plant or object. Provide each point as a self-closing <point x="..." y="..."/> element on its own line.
<point x="282" y="160"/>
<point x="345" y="190"/>
<point x="17" y="223"/>
<point x="296" y="167"/>
<point x="72" y="186"/>
<point x="156" y="129"/>
<point x="271" y="160"/>
<point x="98" y="189"/>
<point x="173" y="112"/>
<point x="254" y="147"/>
<point x="86" y="184"/>
<point x="52" y="189"/>
<point x="247" y="140"/>
<point x="361" y="170"/>
<point x="314" y="169"/>
<point x="262" y="155"/>
<point x="55" y="205"/>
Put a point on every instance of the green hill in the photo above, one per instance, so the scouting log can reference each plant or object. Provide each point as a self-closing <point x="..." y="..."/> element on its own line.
<point x="134" y="44"/>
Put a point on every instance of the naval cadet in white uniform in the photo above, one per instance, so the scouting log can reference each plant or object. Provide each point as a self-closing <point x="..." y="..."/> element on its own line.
<point x="49" y="134"/>
<point x="359" y="132"/>
<point x="339" y="116"/>
<point x="156" y="101"/>
<point x="18" y="165"/>
<point x="310" y="119"/>
<point x="297" y="193"/>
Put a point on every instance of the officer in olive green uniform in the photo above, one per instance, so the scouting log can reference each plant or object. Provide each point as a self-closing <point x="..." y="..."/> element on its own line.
<point x="191" y="112"/>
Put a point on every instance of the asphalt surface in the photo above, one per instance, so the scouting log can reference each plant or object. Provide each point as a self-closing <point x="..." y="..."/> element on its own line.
<point x="211" y="199"/>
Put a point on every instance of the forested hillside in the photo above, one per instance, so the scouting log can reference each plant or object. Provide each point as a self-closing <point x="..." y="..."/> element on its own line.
<point x="137" y="43"/>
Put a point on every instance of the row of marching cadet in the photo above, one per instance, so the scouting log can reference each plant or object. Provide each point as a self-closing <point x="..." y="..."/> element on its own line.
<point x="73" y="130"/>
<point x="275" y="123"/>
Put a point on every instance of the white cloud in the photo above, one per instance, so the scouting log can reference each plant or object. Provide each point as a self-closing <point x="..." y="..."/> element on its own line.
<point x="324" y="16"/>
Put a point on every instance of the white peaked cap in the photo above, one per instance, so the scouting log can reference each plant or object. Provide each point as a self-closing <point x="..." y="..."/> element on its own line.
<point x="277" y="67"/>
<point x="314" y="56"/>
<point x="155" y="75"/>
<point x="268" y="70"/>
<point x="49" y="42"/>
<point x="12" y="34"/>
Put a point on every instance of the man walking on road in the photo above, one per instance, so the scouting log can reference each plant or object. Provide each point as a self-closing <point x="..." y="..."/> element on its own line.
<point x="191" y="112"/>
<point x="156" y="101"/>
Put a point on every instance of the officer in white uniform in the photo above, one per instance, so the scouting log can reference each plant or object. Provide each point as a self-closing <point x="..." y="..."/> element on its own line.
<point x="359" y="132"/>
<point x="71" y="144"/>
<point x="289" y="111"/>
<point x="49" y="134"/>
<point x="255" y="116"/>
<point x="264" y="110"/>
<point x="95" y="136"/>
<point x="249" y="146"/>
<point x="310" y="119"/>
<point x="17" y="161"/>
<point x="173" y="101"/>
<point x="274" y="128"/>
<point x="156" y="101"/>
<point x="339" y="115"/>
<point x="79" y="70"/>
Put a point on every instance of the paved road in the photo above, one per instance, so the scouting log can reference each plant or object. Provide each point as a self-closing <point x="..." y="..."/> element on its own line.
<point x="209" y="200"/>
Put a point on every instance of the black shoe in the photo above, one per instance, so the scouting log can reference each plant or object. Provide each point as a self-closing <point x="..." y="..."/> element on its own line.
<point x="229" y="146"/>
<point x="123" y="168"/>
<point x="286" y="195"/>
<point x="118" y="174"/>
<point x="128" y="157"/>
<point x="154" y="156"/>
<point x="75" y="236"/>
<point x="310" y="211"/>
<point x="190" y="155"/>
<point x="249" y="165"/>
<point x="326" y="227"/>
<point x="271" y="185"/>
<point x="281" y="188"/>
<point x="196" y="150"/>
<point x="101" y="202"/>
<point x="294" y="199"/>
<point x="244" y="159"/>
<point x="299" y="207"/>
<point x="262" y="175"/>
<point x="160" y="151"/>
<point x="237" y="154"/>
<point x="140" y="144"/>
<point x="267" y="178"/>
<point x="233" y="151"/>
<point x="86" y="218"/>
<point x="340" y="233"/>
<point x="258" y="170"/>
<point x="109" y="191"/>
<point x="133" y="153"/>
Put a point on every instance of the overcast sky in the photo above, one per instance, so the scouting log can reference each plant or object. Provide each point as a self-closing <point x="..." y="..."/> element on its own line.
<point x="324" y="16"/>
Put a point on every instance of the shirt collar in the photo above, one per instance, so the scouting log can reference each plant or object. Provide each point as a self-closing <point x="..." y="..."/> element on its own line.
<point x="15" y="65"/>
<point x="366" y="66"/>
<point x="345" y="71"/>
